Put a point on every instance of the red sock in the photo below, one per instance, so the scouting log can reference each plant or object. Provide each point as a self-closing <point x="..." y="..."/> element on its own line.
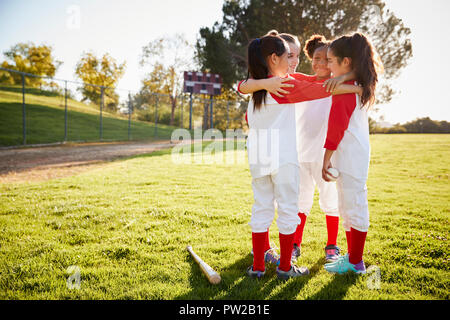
<point x="332" y="228"/>
<point x="299" y="232"/>
<point x="258" y="242"/>
<point x="357" y="245"/>
<point x="286" y="245"/>
<point x="266" y="241"/>
<point x="348" y="235"/>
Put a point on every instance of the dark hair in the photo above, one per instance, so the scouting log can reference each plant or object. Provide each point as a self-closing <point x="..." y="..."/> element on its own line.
<point x="290" y="38"/>
<point x="258" y="51"/>
<point x="365" y="62"/>
<point x="315" y="42"/>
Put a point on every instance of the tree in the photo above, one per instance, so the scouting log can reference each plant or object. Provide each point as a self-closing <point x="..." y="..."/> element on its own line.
<point x="222" y="48"/>
<point x="104" y="72"/>
<point x="29" y="58"/>
<point x="167" y="58"/>
<point x="426" y="125"/>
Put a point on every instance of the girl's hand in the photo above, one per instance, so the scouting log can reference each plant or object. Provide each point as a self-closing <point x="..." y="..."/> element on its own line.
<point x="326" y="166"/>
<point x="275" y="86"/>
<point x="332" y="83"/>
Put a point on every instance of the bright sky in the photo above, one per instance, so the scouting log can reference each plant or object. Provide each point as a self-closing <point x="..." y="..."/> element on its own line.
<point x="122" y="28"/>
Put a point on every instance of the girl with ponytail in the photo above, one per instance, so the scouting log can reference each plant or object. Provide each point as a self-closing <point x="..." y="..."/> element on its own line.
<point x="347" y="145"/>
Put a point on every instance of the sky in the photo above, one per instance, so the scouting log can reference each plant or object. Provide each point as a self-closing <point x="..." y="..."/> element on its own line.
<point x="121" y="28"/>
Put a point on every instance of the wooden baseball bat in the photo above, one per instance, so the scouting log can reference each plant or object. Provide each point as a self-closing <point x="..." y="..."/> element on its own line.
<point x="213" y="277"/>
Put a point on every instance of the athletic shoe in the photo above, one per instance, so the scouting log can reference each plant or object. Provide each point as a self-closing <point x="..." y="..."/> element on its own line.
<point x="332" y="253"/>
<point x="296" y="252"/>
<point x="271" y="256"/>
<point x="255" y="274"/>
<point x="294" y="272"/>
<point x="343" y="265"/>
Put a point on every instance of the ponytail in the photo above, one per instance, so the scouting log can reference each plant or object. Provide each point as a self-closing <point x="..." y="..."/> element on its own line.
<point x="258" y="51"/>
<point x="365" y="62"/>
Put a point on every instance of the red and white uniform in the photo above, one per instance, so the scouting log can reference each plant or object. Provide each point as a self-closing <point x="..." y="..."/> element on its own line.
<point x="273" y="157"/>
<point x="348" y="135"/>
<point x="312" y="123"/>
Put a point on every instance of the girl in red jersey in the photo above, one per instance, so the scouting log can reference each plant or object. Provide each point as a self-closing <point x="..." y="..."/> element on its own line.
<point x="347" y="144"/>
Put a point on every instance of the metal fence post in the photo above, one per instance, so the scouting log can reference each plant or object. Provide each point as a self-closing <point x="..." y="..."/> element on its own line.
<point x="182" y="100"/>
<point x="101" y="113"/>
<point x="211" y="125"/>
<point x="156" y="115"/>
<point x="129" y="116"/>
<point x="228" y="114"/>
<point x="190" y="112"/>
<point x="65" y="111"/>
<point x="24" y="123"/>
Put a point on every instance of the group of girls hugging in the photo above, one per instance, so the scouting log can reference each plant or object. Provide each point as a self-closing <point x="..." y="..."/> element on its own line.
<point x="300" y="126"/>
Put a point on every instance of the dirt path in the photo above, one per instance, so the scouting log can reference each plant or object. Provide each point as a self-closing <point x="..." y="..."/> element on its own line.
<point x="43" y="163"/>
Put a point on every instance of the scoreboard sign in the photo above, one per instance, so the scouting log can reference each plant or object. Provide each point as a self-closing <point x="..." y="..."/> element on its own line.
<point x="202" y="82"/>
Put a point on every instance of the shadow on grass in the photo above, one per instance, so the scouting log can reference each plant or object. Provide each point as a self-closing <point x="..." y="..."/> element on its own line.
<point x="337" y="288"/>
<point x="236" y="285"/>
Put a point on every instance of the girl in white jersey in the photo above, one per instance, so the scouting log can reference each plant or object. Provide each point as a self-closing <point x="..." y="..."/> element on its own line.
<point x="347" y="144"/>
<point x="272" y="153"/>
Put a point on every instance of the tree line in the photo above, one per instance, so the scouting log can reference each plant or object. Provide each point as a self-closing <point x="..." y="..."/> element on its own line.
<point x="221" y="49"/>
<point x="420" y="125"/>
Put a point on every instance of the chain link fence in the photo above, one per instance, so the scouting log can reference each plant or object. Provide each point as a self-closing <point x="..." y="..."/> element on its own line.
<point x="42" y="110"/>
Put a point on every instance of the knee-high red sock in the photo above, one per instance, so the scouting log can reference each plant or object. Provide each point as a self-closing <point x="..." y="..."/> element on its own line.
<point x="266" y="241"/>
<point x="348" y="235"/>
<point x="286" y="245"/>
<point x="258" y="242"/>
<point x="299" y="231"/>
<point x="332" y="228"/>
<point x="357" y="245"/>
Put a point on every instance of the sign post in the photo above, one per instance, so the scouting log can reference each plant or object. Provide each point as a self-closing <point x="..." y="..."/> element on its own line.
<point x="202" y="83"/>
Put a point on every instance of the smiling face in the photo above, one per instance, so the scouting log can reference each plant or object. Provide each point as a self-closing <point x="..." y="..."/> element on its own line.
<point x="320" y="63"/>
<point x="279" y="65"/>
<point x="293" y="57"/>
<point x="338" y="66"/>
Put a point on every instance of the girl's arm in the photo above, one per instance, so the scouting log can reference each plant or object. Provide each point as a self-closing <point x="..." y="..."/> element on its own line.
<point x="273" y="85"/>
<point x="307" y="90"/>
<point x="347" y="88"/>
<point x="301" y="87"/>
<point x="332" y="83"/>
<point x="326" y="164"/>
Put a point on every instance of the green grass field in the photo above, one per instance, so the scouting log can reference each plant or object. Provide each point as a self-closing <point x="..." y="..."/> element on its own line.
<point x="126" y="227"/>
<point x="45" y="118"/>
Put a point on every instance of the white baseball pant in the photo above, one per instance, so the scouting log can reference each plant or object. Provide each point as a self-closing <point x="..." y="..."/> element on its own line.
<point x="281" y="186"/>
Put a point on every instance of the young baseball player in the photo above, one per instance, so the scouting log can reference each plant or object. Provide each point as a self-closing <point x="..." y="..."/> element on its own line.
<point x="347" y="144"/>
<point x="311" y="122"/>
<point x="274" y="165"/>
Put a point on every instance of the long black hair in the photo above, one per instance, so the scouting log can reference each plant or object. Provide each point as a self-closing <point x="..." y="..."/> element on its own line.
<point x="365" y="62"/>
<point x="258" y="51"/>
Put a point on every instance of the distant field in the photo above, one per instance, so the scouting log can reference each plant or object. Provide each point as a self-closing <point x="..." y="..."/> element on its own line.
<point x="126" y="225"/>
<point x="45" y="120"/>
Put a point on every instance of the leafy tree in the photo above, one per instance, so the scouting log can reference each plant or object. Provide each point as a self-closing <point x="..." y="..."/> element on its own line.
<point x="426" y="125"/>
<point x="167" y="59"/>
<point x="222" y="47"/>
<point x="103" y="71"/>
<point x="29" y="58"/>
